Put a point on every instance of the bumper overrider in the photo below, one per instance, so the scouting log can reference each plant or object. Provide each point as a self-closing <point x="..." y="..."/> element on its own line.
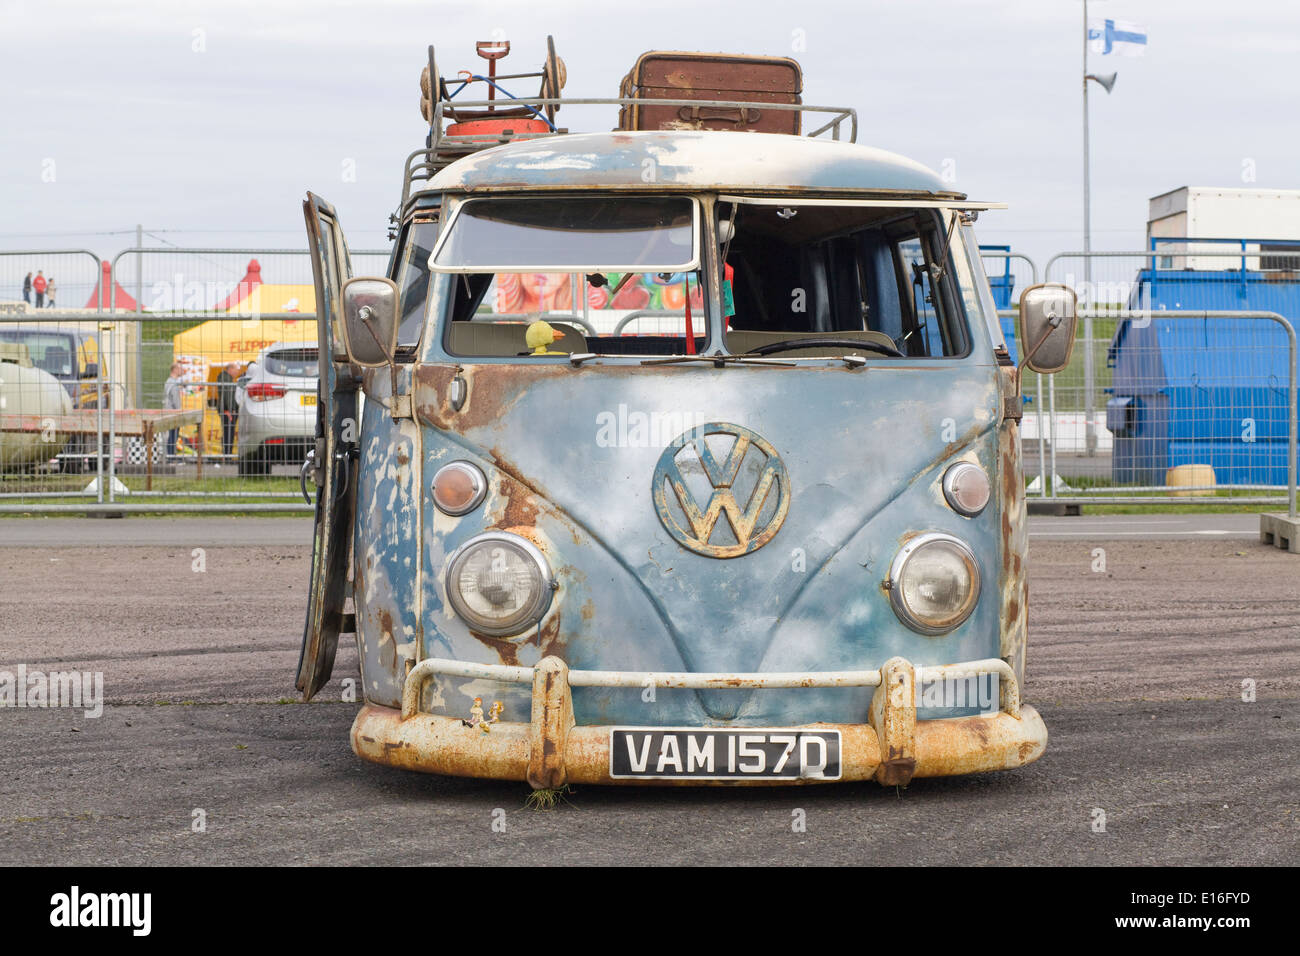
<point x="550" y="751"/>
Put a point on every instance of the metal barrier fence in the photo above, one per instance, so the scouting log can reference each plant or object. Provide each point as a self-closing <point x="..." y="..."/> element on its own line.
<point x="235" y="414"/>
<point x="73" y="274"/>
<point x="89" y="420"/>
<point x="242" y="282"/>
<point x="1009" y="274"/>
<point x="1153" y="280"/>
<point x="1189" y="406"/>
<point x="1200" y="408"/>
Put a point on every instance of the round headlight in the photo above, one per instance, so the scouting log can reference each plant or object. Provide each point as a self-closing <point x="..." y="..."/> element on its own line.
<point x="966" y="487"/>
<point x="458" y="488"/>
<point x="934" y="583"/>
<point x="499" y="583"/>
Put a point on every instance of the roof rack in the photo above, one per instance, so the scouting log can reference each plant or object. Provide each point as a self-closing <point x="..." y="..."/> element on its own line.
<point x="442" y="149"/>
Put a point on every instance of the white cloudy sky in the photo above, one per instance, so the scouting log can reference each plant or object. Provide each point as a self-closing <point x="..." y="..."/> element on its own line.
<point x="218" y="147"/>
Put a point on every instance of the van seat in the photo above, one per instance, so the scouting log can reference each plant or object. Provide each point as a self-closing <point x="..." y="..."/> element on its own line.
<point x="507" y="338"/>
<point x="743" y="340"/>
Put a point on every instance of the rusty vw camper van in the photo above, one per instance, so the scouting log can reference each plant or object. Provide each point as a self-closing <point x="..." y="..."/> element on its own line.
<point x="674" y="456"/>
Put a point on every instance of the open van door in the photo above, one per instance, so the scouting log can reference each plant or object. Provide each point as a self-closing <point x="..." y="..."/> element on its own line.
<point x="333" y="459"/>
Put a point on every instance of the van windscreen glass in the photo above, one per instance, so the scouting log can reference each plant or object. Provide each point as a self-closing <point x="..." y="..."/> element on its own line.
<point x="882" y="276"/>
<point x="568" y="234"/>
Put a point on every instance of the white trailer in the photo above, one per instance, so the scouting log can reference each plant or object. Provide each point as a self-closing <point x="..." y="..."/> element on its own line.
<point x="1221" y="212"/>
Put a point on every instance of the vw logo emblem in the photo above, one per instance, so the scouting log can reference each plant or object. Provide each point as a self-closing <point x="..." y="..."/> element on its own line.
<point x="732" y="471"/>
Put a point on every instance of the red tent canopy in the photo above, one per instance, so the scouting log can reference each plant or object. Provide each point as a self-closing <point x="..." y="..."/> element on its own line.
<point x="252" y="279"/>
<point x="120" y="299"/>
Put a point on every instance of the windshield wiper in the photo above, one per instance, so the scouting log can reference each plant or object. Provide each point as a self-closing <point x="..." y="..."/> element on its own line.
<point x="718" y="360"/>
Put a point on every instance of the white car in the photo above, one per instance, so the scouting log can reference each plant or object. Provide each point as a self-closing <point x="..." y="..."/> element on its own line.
<point x="277" y="408"/>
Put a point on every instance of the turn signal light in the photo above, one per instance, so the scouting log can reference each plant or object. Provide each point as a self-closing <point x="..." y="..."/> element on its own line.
<point x="458" y="488"/>
<point x="966" y="488"/>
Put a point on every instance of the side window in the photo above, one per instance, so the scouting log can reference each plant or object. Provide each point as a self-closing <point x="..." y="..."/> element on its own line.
<point x="412" y="276"/>
<point x="329" y="253"/>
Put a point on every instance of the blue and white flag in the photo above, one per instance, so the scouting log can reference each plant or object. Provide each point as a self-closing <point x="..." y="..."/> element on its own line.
<point x="1117" y="36"/>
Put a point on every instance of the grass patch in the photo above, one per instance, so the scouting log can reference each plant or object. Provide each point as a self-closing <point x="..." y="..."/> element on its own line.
<point x="167" y="489"/>
<point x="548" y="799"/>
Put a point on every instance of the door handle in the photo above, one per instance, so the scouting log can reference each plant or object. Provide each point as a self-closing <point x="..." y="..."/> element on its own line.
<point x="307" y="465"/>
<point x="344" y="458"/>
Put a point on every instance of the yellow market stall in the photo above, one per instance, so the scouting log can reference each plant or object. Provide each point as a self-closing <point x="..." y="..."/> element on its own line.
<point x="205" y="349"/>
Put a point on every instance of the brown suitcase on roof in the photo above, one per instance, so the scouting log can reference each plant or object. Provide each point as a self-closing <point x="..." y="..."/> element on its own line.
<point x="669" y="75"/>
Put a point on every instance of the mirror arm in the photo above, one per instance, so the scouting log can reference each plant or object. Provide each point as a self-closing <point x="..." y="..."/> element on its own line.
<point x="365" y="313"/>
<point x="1054" y="323"/>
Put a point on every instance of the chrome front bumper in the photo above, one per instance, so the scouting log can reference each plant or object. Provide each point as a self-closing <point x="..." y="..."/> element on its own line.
<point x="892" y="747"/>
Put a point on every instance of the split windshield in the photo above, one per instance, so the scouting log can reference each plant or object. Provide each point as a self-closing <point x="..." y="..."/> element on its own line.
<point x="621" y="276"/>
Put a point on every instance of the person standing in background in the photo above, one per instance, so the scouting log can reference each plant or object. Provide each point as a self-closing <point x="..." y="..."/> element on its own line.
<point x="49" y="294"/>
<point x="172" y="401"/>
<point x="38" y="286"/>
<point x="27" y="289"/>
<point x="228" y="406"/>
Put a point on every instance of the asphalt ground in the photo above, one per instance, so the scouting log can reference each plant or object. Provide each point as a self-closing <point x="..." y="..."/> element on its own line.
<point x="1137" y="667"/>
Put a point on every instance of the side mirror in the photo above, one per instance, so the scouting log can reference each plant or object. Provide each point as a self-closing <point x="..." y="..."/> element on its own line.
<point x="1048" y="315"/>
<point x="91" y="370"/>
<point x="370" y="321"/>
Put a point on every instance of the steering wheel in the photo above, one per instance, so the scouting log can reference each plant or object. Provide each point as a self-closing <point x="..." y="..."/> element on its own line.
<point x="789" y="344"/>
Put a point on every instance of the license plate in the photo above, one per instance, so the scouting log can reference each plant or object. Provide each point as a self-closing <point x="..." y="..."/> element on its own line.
<point x="669" y="753"/>
<point x="308" y="399"/>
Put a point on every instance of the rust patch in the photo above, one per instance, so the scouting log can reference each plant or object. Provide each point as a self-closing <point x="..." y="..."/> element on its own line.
<point x="1014" y="580"/>
<point x="506" y="651"/>
<point x="588" y="610"/>
<point x="508" y="467"/>
<point x="403" y="456"/>
<point x="386" y="636"/>
<point x="491" y="390"/>
<point x="431" y="384"/>
<point x="377" y="383"/>
<point x="952" y="448"/>
<point x="520" y="504"/>
<point x="549" y="641"/>
<point x="896" y="772"/>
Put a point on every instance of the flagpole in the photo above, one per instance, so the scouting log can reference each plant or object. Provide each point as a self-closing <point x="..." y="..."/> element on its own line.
<point x="1090" y="435"/>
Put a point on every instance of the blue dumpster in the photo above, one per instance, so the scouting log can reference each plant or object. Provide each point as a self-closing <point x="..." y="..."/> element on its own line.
<point x="1202" y="391"/>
